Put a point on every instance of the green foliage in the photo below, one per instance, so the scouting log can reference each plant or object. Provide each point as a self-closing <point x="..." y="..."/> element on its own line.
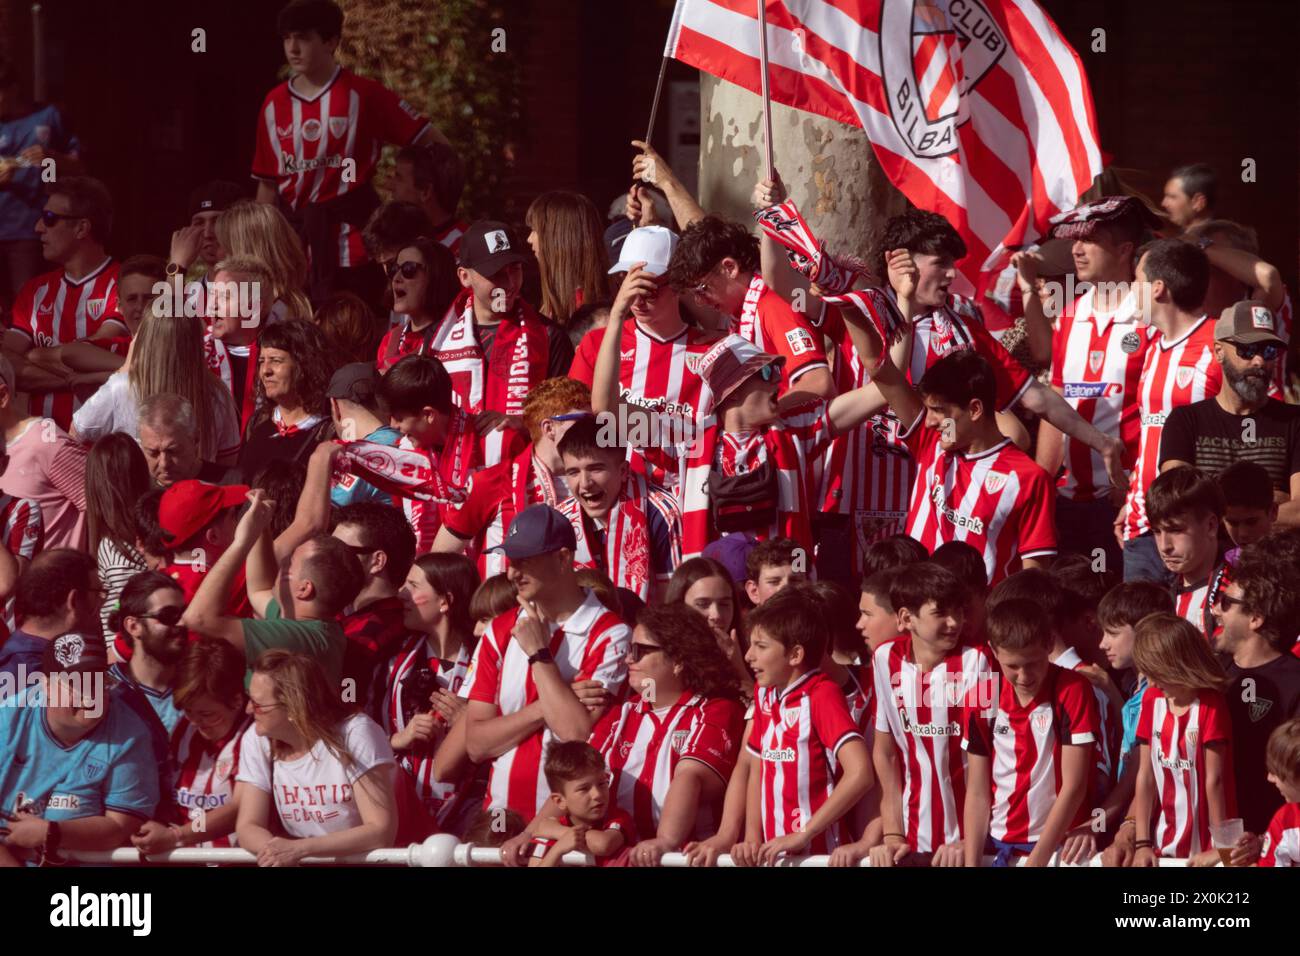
<point x="439" y="57"/>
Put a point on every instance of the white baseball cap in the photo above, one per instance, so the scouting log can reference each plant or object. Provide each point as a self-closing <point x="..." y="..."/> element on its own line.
<point x="652" y="245"/>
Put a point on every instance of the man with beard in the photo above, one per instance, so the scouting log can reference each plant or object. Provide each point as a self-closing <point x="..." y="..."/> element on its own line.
<point x="149" y="615"/>
<point x="1241" y="423"/>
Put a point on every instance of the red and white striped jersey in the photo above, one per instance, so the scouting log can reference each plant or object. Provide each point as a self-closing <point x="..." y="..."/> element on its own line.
<point x="869" y="472"/>
<point x="1096" y="361"/>
<point x="494" y="496"/>
<point x="1282" y="839"/>
<point x="1190" y="600"/>
<point x="770" y="323"/>
<point x="925" y="714"/>
<point x="205" y="772"/>
<point x="654" y="373"/>
<point x="438" y="798"/>
<point x="1173" y="374"/>
<point x="52" y="309"/>
<point x="642" y="746"/>
<point x="1178" y="742"/>
<point x="24" y="534"/>
<point x="326" y="146"/>
<point x="860" y="696"/>
<point x="956" y="326"/>
<point x="793" y="443"/>
<point x="590" y="645"/>
<point x="1108" y="738"/>
<point x="999" y="501"/>
<point x="796" y="735"/>
<point x="449" y="234"/>
<point x="424" y="517"/>
<point x="1023" y="744"/>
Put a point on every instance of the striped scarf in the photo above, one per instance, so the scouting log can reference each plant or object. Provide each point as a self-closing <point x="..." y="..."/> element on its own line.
<point x="404" y="472"/>
<point x="501" y="382"/>
<point x="627" y="553"/>
<point x="833" y="275"/>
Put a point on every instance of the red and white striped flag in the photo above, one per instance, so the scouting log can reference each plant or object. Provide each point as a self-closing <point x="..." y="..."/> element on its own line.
<point x="977" y="109"/>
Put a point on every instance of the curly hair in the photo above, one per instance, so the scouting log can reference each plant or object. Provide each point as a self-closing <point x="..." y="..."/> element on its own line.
<point x="917" y="231"/>
<point x="706" y="243"/>
<point x="312" y="364"/>
<point x="689" y="641"/>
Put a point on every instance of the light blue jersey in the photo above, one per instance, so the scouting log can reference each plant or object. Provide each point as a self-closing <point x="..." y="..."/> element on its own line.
<point x="162" y="703"/>
<point x="351" y="490"/>
<point x="111" y="768"/>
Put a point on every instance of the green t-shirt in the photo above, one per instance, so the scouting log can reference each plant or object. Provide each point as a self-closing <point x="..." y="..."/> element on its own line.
<point x="322" y="640"/>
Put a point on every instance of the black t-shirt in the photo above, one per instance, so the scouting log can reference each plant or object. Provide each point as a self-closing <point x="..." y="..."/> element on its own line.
<point x="238" y="376"/>
<point x="265" y="444"/>
<point x="1204" y="435"/>
<point x="1271" y="697"/>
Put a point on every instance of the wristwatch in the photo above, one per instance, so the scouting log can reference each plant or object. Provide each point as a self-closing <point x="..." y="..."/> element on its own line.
<point x="541" y="657"/>
<point x="175" y="269"/>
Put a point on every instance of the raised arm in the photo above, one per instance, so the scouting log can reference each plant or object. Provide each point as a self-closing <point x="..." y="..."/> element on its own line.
<point x="206" y="614"/>
<point x="650" y="167"/>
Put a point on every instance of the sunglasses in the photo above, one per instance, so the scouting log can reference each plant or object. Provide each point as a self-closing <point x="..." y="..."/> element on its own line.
<point x="1226" y="601"/>
<point x="408" y="269"/>
<point x="168" y="616"/>
<point x="51" y="218"/>
<point x="571" y="417"/>
<point x="639" y="651"/>
<point x="262" y="708"/>
<point x="1270" y="351"/>
<point x="769" y="373"/>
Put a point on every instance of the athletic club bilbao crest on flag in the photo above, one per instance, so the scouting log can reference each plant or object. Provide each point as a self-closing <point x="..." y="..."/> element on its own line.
<point x="1184" y="376"/>
<point x="1095" y="360"/>
<point x="994" y="482"/>
<point x="95" y="309"/>
<point x="931" y="60"/>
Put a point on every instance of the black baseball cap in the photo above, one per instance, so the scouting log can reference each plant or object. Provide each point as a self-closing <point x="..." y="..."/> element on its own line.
<point x="215" y="196"/>
<point x="356" y="382"/>
<point x="538" y="529"/>
<point x="488" y="247"/>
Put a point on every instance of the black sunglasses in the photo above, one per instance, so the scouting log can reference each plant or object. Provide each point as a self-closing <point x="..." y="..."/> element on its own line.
<point x="1270" y="351"/>
<point x="408" y="269"/>
<point x="168" y="616"/>
<point x="641" y="650"/>
<point x="50" y="217"/>
<point x="1226" y="601"/>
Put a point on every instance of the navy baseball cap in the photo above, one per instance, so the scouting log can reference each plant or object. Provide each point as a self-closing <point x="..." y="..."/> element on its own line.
<point x="538" y="529"/>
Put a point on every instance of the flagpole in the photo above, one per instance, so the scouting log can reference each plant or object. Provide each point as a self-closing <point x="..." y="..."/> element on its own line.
<point x="767" y="97"/>
<point x="654" y="107"/>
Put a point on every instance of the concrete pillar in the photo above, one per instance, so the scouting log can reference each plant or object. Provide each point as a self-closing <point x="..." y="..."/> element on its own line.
<point x="828" y="168"/>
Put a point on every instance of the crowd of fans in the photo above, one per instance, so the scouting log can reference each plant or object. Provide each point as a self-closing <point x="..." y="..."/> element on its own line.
<point x="348" y="522"/>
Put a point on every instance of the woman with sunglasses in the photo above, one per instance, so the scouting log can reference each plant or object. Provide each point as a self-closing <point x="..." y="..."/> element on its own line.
<point x="199" y="807"/>
<point x="673" y="743"/>
<point x="314" y="762"/>
<point x="293" y="372"/>
<point x="423" y="282"/>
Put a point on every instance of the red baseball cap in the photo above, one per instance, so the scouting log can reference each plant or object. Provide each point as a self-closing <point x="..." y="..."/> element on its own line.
<point x="187" y="507"/>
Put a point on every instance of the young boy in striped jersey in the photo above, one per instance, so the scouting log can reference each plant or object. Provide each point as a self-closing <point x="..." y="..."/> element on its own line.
<point x="1029" y="755"/>
<point x="923" y="681"/>
<point x="589" y="821"/>
<point x="1282" y="840"/>
<point x="1184" y="508"/>
<point x="812" y="765"/>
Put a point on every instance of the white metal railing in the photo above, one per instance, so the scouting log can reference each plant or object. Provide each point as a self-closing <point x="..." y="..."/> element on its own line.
<point x="442" y="850"/>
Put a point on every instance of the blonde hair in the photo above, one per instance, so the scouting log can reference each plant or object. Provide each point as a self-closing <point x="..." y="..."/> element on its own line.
<point x="1170" y="651"/>
<point x="571" y="252"/>
<point x="168" y="359"/>
<point x="315" y="709"/>
<point x="260" y="231"/>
